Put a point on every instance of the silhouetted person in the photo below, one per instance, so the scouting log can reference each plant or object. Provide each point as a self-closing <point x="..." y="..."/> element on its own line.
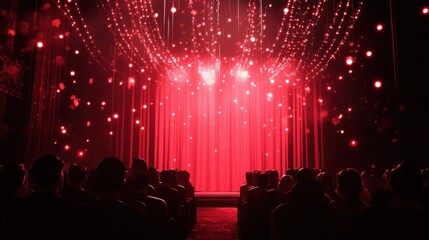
<point x="139" y="167"/>
<point x="327" y="183"/>
<point x="242" y="201"/>
<point x="114" y="218"/>
<point x="424" y="199"/>
<point x="153" y="176"/>
<point x="274" y="197"/>
<point x="398" y="215"/>
<point x="44" y="214"/>
<point x="183" y="204"/>
<point x="91" y="184"/>
<point x="156" y="208"/>
<point x="172" y="198"/>
<point x="12" y="177"/>
<point x="183" y="178"/>
<point x="348" y="208"/>
<point x="76" y="176"/>
<point x="305" y="216"/>
<point x="169" y="194"/>
<point x="257" y="218"/>
<point x="273" y="179"/>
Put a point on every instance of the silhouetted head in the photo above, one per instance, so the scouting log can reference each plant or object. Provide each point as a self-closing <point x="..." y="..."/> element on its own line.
<point x="76" y="174"/>
<point x="172" y="181"/>
<point x="291" y="172"/>
<point x="249" y="178"/>
<point x="165" y="176"/>
<point x="141" y="182"/>
<point x="255" y="177"/>
<point x="47" y="170"/>
<point x="183" y="177"/>
<point x="307" y="189"/>
<point x="138" y="166"/>
<point x="349" y="183"/>
<point x="326" y="181"/>
<point x="110" y="173"/>
<point x="153" y="175"/>
<point x="263" y="180"/>
<point x="13" y="175"/>
<point x="425" y="176"/>
<point x="273" y="177"/>
<point x="91" y="183"/>
<point x="304" y="174"/>
<point x="285" y="185"/>
<point x="406" y="181"/>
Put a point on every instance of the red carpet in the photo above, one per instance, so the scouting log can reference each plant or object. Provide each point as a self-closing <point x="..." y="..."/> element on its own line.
<point x="215" y="223"/>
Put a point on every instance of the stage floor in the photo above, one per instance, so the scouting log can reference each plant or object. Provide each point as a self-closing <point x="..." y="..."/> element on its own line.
<point x="217" y="199"/>
<point x="217" y="194"/>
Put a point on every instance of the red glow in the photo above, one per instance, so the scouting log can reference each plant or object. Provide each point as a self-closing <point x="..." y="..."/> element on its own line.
<point x="11" y="32"/>
<point x="349" y="60"/>
<point x="131" y="82"/>
<point x="173" y="10"/>
<point x="379" y="27"/>
<point x="72" y="73"/>
<point x="39" y="44"/>
<point x="425" y="10"/>
<point x="208" y="76"/>
<point x="66" y="147"/>
<point x="377" y="84"/>
<point x="242" y="74"/>
<point x="353" y="143"/>
<point x="369" y="53"/>
<point x="80" y="153"/>
<point x="115" y="116"/>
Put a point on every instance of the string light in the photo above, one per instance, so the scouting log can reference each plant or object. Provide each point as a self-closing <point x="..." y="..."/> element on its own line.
<point x="195" y="77"/>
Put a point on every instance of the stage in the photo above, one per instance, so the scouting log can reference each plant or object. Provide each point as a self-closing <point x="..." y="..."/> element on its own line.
<point x="217" y="199"/>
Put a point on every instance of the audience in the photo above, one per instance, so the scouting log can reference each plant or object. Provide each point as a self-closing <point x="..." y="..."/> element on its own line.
<point x="118" y="219"/>
<point x="44" y="214"/>
<point x="105" y="203"/>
